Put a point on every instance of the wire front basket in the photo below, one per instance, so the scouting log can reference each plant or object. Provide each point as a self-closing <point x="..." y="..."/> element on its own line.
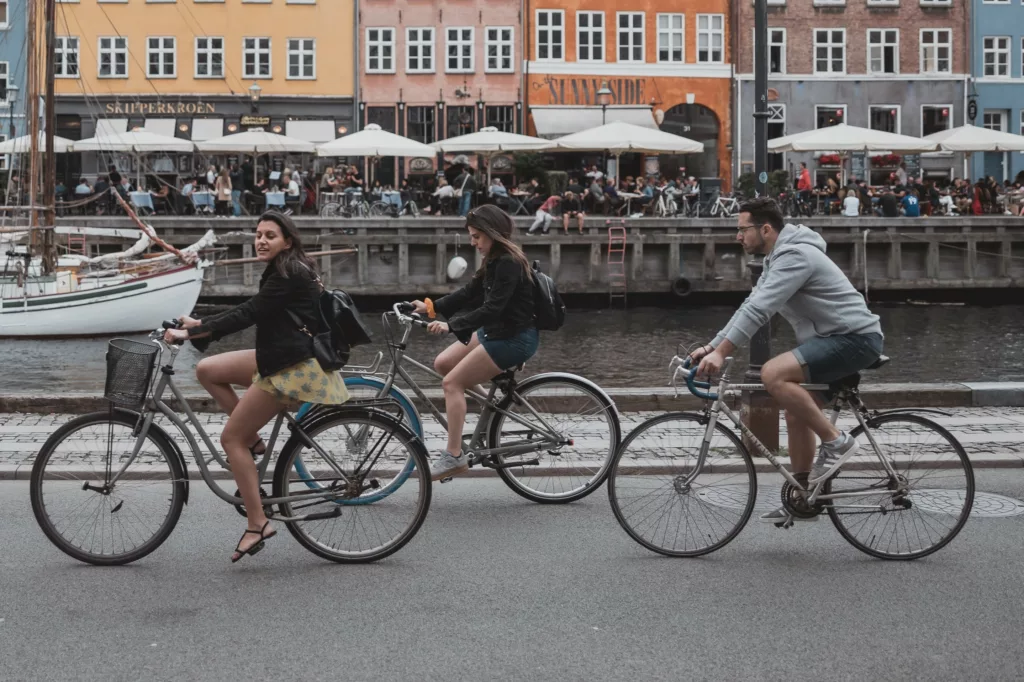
<point x="129" y="371"/>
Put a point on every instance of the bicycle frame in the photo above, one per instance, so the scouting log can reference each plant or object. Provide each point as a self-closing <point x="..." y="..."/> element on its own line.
<point x="718" y="407"/>
<point x="489" y="406"/>
<point x="156" y="405"/>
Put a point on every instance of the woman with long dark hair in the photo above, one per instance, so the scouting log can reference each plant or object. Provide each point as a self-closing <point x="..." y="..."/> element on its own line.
<point x="492" y="318"/>
<point x="280" y="372"/>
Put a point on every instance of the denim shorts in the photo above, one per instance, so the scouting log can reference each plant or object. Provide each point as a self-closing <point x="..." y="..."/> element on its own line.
<point x="507" y="353"/>
<point x="829" y="358"/>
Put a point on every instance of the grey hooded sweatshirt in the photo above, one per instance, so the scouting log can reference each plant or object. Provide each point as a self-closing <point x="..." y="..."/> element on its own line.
<point x="803" y="285"/>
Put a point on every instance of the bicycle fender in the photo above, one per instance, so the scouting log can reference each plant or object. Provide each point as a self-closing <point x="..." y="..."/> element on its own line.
<point x="575" y="377"/>
<point x="913" y="410"/>
<point x="158" y="432"/>
<point x="397" y="394"/>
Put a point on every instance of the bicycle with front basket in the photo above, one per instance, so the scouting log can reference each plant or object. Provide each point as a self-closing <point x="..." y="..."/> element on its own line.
<point x="108" y="488"/>
<point x="550" y="437"/>
<point x="684" y="484"/>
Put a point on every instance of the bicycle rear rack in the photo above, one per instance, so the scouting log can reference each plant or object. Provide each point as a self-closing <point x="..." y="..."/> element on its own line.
<point x="616" y="261"/>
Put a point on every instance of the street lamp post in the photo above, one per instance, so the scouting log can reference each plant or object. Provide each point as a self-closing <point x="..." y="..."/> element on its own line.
<point x="604" y="98"/>
<point x="760" y="411"/>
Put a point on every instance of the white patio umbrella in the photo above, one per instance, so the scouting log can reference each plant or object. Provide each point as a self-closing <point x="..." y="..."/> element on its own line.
<point x="970" y="139"/>
<point x="844" y="138"/>
<point x="255" y="141"/>
<point x="374" y="142"/>
<point x="618" y="138"/>
<point x="135" y="141"/>
<point x="21" y="145"/>
<point x="490" y="141"/>
<point x="138" y="142"/>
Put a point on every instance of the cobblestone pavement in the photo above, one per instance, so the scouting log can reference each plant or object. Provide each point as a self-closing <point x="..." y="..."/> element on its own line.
<point x="992" y="436"/>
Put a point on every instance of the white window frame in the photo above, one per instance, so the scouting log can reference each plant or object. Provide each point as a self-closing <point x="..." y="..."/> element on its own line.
<point x="668" y="33"/>
<point x="846" y="112"/>
<point x="500" y="44"/>
<point x="936" y="3"/>
<point x="590" y="31"/>
<point x="380" y="44"/>
<point x="6" y="23"/>
<point x="113" y="50"/>
<point x="549" y="14"/>
<point x="300" y="51"/>
<point x="461" y="43"/>
<point x="883" y="3"/>
<point x="631" y="32"/>
<point x="1004" y="119"/>
<point x="881" y="46"/>
<point x="935" y="46"/>
<point x="995" y="52"/>
<point x="256" y="51"/>
<point x="161" y="51"/>
<point x="899" y="115"/>
<point x="5" y="68"/>
<point x="61" y="51"/>
<point x="776" y="113"/>
<point x="5" y="159"/>
<point x="995" y="2"/>
<point x="829" y="3"/>
<point x="949" y="119"/>
<point x="209" y="51"/>
<point x="419" y="42"/>
<point x="711" y="32"/>
<point x="785" y="46"/>
<point x="831" y="45"/>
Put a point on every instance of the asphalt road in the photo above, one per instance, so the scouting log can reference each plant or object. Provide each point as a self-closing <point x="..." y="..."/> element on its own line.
<point x="497" y="588"/>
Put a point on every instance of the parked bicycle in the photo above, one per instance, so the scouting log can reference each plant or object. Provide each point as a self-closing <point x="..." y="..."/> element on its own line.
<point x="550" y="437"/>
<point x="108" y="488"/>
<point x="351" y="205"/>
<point x="725" y="206"/>
<point x="683" y="484"/>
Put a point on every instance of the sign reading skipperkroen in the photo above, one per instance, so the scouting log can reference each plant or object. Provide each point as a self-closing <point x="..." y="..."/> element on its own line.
<point x="161" y="108"/>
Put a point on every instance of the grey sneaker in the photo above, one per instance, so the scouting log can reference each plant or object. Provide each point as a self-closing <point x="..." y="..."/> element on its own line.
<point x="448" y="465"/>
<point x="780" y="515"/>
<point x="831" y="457"/>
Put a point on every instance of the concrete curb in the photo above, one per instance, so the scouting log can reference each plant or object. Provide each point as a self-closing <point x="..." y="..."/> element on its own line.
<point x="652" y="399"/>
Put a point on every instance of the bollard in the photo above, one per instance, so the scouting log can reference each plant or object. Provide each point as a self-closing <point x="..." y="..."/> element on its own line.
<point x="759" y="412"/>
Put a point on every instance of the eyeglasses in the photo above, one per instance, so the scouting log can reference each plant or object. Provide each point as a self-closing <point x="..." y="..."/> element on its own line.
<point x="743" y="228"/>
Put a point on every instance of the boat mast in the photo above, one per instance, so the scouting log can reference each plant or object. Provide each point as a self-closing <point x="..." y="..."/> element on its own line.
<point x="32" y="114"/>
<point x="50" y="167"/>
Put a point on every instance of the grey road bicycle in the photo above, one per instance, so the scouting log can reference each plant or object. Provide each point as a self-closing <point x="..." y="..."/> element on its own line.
<point x="108" y="488"/>
<point x="550" y="437"/>
<point x="683" y="484"/>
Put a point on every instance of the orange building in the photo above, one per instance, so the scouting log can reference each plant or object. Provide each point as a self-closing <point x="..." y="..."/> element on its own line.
<point x="667" y="65"/>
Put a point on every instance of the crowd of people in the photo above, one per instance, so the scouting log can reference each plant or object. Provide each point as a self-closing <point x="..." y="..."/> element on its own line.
<point x="911" y="196"/>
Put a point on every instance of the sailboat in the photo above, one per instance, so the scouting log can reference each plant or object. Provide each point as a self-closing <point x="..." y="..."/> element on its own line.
<point x="44" y="294"/>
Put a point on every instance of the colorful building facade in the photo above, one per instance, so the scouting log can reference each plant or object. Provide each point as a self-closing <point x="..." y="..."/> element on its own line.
<point x="431" y="71"/>
<point x="997" y="69"/>
<point x="13" y="20"/>
<point x="667" y="65"/>
<point x="202" y="69"/>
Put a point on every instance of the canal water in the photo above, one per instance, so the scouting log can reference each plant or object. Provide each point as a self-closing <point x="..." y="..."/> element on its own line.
<point x="612" y="347"/>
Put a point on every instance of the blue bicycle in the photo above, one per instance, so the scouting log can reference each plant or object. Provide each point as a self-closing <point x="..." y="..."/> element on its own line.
<point x="551" y="437"/>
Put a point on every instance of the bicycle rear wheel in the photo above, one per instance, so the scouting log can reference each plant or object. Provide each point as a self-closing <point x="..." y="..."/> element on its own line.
<point x="582" y="415"/>
<point x="921" y="511"/>
<point x="370" y="448"/>
<point x="107" y="524"/>
<point x="665" y="503"/>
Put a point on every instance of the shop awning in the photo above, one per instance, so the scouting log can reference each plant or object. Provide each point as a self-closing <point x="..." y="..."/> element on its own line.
<point x="554" y="122"/>
<point x="310" y="131"/>
<point x="207" y="129"/>
<point x="106" y="127"/>
<point x="160" y="126"/>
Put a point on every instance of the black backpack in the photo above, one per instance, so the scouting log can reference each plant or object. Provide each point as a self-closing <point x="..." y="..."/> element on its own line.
<point x="340" y="329"/>
<point x="548" y="309"/>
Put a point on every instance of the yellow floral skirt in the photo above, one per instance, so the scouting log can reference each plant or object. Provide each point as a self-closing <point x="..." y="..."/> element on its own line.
<point x="304" y="382"/>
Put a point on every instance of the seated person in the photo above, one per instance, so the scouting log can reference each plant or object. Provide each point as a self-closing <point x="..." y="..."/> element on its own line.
<point x="889" y="204"/>
<point x="911" y="205"/>
<point x="83" y="189"/>
<point x="545" y="214"/>
<point x="442" y="198"/>
<point x="572" y="207"/>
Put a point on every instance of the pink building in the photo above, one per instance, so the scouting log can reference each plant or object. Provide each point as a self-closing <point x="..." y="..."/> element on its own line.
<point x="433" y="71"/>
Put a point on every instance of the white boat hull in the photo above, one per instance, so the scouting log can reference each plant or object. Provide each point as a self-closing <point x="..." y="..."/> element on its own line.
<point x="134" y="305"/>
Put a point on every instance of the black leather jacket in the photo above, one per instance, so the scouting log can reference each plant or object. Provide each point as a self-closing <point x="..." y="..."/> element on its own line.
<point x="501" y="302"/>
<point x="279" y="342"/>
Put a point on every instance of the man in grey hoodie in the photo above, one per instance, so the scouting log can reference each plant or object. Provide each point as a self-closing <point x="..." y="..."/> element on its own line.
<point x="836" y="333"/>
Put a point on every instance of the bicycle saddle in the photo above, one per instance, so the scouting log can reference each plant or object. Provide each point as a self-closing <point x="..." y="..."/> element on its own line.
<point x="879" y="363"/>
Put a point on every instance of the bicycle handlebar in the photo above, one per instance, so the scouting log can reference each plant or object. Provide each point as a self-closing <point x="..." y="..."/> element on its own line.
<point x="403" y="311"/>
<point x="681" y="366"/>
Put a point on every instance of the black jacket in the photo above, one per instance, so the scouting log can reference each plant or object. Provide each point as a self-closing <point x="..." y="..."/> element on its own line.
<point x="279" y="342"/>
<point x="501" y="302"/>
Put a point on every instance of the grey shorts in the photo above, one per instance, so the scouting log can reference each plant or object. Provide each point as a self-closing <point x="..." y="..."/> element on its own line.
<point x="829" y="358"/>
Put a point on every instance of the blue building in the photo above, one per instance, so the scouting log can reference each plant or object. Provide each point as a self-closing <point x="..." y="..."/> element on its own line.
<point x="998" y="70"/>
<point x="13" y="20"/>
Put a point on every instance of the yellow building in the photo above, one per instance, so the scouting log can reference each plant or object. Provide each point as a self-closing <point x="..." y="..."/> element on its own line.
<point x="200" y="69"/>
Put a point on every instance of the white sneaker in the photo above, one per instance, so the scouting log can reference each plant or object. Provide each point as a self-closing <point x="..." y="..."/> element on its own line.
<point x="831" y="458"/>
<point x="448" y="465"/>
<point x="780" y="515"/>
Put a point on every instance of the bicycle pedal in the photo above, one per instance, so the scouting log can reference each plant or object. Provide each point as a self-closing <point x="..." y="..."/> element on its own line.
<point x="446" y="479"/>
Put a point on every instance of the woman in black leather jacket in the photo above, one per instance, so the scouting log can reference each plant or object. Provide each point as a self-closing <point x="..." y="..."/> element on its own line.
<point x="281" y="370"/>
<point x="492" y="318"/>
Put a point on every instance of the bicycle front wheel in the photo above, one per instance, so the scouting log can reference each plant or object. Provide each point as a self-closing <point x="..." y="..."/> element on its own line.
<point x="669" y="501"/>
<point x="919" y="511"/>
<point x="97" y="503"/>
<point x="359" y="450"/>
<point x="587" y="427"/>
